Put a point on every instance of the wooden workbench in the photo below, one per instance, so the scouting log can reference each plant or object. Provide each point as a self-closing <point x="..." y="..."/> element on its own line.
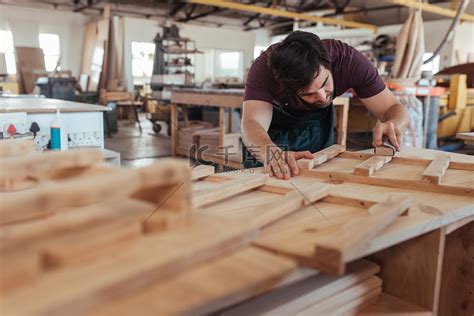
<point x="131" y="242"/>
<point x="45" y="105"/>
<point x="232" y="99"/>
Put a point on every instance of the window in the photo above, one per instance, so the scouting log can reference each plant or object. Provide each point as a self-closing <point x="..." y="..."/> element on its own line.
<point x="142" y="62"/>
<point x="229" y="64"/>
<point x="433" y="65"/>
<point x="49" y="43"/>
<point x="258" y="50"/>
<point x="6" y="47"/>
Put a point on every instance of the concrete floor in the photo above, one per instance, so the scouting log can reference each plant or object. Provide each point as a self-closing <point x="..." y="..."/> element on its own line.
<point x="139" y="149"/>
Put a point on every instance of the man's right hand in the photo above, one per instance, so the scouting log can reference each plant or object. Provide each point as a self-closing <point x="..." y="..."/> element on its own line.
<point x="282" y="164"/>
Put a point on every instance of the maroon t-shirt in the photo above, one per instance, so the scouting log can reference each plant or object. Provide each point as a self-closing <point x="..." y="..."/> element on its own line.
<point x="349" y="68"/>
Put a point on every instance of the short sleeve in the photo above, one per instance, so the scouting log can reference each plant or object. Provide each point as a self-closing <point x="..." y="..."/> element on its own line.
<point x="260" y="84"/>
<point x="363" y="76"/>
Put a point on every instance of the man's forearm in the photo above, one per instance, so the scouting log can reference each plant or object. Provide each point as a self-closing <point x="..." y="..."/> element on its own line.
<point x="256" y="138"/>
<point x="398" y="115"/>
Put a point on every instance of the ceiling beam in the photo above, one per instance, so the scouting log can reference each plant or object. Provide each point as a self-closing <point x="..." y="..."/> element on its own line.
<point x="281" y="13"/>
<point x="426" y="7"/>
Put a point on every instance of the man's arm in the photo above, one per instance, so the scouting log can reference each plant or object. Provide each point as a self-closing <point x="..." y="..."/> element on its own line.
<point x="256" y="119"/>
<point x="393" y="118"/>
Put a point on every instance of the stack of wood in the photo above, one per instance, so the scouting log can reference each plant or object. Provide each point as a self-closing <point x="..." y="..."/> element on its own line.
<point x="188" y="137"/>
<point x="231" y="149"/>
<point x="320" y="295"/>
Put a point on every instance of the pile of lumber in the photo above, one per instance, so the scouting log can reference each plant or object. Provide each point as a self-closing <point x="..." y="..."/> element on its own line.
<point x="230" y="150"/>
<point x="319" y="295"/>
<point x="188" y="137"/>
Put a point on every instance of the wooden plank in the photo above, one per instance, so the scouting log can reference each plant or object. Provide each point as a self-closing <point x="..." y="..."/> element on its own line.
<point x="436" y="170"/>
<point x="228" y="189"/>
<point x="465" y="136"/>
<point x="207" y="99"/>
<point x="364" y="301"/>
<point x="343" y="117"/>
<point x="345" y="297"/>
<point x="18" y="206"/>
<point x="40" y="165"/>
<point x="321" y="156"/>
<point x="241" y="275"/>
<point x="74" y="218"/>
<point x="126" y="272"/>
<point x="389" y="305"/>
<point x="369" y="166"/>
<point x="392" y="183"/>
<point x="302" y="295"/>
<point x="420" y="259"/>
<point x="455" y="165"/>
<point x="87" y="244"/>
<point x="201" y="171"/>
<point x="16" y="147"/>
<point x="457" y="280"/>
<point x="342" y="200"/>
<point x="342" y="245"/>
<point x="292" y="202"/>
<point x="456" y="225"/>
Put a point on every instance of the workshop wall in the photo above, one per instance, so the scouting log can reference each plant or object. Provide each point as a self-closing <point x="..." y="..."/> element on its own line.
<point x="26" y="23"/>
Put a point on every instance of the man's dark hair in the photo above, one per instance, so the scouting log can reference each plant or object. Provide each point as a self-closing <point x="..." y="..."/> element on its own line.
<point x="296" y="61"/>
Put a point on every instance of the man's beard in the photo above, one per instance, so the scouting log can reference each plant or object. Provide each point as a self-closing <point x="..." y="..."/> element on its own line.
<point x="316" y="105"/>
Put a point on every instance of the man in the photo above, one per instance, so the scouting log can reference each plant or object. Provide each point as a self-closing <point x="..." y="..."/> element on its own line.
<point x="287" y="109"/>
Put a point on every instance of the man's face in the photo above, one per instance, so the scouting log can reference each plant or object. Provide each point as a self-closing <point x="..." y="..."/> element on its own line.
<point x="319" y="93"/>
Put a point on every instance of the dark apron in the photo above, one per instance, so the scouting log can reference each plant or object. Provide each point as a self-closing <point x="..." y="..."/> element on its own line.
<point x="298" y="131"/>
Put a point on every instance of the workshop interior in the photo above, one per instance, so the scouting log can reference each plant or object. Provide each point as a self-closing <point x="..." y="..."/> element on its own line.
<point x="237" y="157"/>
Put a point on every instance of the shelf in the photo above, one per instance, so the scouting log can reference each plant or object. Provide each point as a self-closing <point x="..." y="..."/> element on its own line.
<point x="391" y="305"/>
<point x="182" y="51"/>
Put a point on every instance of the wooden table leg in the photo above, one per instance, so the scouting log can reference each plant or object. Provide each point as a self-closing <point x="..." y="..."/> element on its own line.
<point x="342" y="119"/>
<point x="231" y="120"/>
<point x="221" y="127"/>
<point x="174" y="128"/>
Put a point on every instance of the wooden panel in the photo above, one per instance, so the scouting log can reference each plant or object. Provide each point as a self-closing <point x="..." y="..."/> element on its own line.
<point x="457" y="281"/>
<point x="421" y="261"/>
<point x="390" y="305"/>
<point x="218" y="100"/>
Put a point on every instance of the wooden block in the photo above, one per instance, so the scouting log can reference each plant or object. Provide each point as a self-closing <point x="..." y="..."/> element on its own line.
<point x="345" y="244"/>
<point x="369" y="166"/>
<point x="40" y="165"/>
<point x="201" y="171"/>
<point x="390" y="305"/>
<point x="91" y="189"/>
<point x="228" y="189"/>
<point x="74" y="218"/>
<point x="89" y="243"/>
<point x="321" y="157"/>
<point x="16" y="147"/>
<point x="436" y="170"/>
<point x="384" y="151"/>
<point x="165" y="219"/>
<point x="306" y="293"/>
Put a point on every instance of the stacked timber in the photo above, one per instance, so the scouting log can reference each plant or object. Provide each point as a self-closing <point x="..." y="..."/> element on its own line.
<point x="319" y="295"/>
<point x="231" y="148"/>
<point x="188" y="137"/>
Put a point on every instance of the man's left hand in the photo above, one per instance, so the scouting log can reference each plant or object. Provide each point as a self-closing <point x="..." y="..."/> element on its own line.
<point x="391" y="131"/>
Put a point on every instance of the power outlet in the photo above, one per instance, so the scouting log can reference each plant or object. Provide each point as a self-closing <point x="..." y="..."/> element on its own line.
<point x="84" y="139"/>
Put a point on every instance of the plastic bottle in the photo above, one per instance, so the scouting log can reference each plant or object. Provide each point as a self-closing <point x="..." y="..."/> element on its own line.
<point x="58" y="133"/>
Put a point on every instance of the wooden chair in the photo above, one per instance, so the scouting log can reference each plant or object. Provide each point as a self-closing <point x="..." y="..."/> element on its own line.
<point x="124" y="99"/>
